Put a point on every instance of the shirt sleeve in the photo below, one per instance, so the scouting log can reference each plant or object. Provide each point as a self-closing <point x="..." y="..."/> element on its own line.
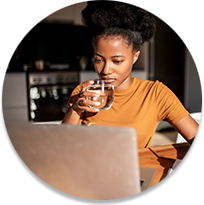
<point x="72" y="99"/>
<point x="169" y="107"/>
<point x="73" y="96"/>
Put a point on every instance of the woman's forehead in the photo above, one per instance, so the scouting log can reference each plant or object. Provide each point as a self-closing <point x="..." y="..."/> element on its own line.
<point x="114" y="42"/>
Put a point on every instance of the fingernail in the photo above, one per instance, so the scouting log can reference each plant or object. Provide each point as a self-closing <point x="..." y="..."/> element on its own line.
<point x="97" y="95"/>
<point x="97" y="103"/>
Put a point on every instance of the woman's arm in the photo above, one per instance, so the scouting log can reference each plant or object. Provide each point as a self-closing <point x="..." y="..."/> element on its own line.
<point x="187" y="127"/>
<point x="71" y="117"/>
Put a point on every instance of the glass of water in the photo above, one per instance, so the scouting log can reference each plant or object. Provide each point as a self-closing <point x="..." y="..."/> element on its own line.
<point x="106" y="92"/>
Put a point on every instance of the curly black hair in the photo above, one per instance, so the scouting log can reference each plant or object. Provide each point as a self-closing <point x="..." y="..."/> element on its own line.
<point x="112" y="18"/>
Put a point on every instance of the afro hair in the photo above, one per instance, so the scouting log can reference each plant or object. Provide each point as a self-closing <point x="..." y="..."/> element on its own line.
<point x="100" y="16"/>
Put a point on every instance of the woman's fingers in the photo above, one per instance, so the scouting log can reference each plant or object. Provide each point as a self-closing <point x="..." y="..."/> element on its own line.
<point x="83" y="103"/>
<point x="85" y="99"/>
<point x="85" y="84"/>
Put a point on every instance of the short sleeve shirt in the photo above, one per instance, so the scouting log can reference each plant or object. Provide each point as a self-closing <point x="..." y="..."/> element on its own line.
<point x="142" y="106"/>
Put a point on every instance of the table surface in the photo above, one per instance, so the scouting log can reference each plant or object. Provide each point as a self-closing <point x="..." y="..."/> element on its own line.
<point x="161" y="158"/>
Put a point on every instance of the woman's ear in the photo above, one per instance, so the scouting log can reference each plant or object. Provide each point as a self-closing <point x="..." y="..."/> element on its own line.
<point x="136" y="56"/>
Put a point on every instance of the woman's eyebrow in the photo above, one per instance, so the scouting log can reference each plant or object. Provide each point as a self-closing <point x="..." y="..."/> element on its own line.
<point x="98" y="55"/>
<point x="115" y="56"/>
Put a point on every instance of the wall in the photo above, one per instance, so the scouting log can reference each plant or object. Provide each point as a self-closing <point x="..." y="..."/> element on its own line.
<point x="55" y="43"/>
<point x="169" y="59"/>
<point x="68" y="14"/>
<point x="192" y="93"/>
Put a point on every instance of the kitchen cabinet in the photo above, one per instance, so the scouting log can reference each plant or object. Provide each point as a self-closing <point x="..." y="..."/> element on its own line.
<point x="14" y="99"/>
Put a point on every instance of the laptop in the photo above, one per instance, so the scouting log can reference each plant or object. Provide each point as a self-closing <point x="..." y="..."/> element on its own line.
<point x="99" y="163"/>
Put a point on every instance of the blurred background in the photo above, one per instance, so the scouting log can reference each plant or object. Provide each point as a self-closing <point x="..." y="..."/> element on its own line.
<point x="57" y="54"/>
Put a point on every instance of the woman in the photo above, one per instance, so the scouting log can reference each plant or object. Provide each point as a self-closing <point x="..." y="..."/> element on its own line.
<point x="118" y="32"/>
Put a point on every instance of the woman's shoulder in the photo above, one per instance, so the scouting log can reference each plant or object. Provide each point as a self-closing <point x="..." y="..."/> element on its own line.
<point x="76" y="90"/>
<point x="156" y="86"/>
<point x="146" y="83"/>
<point x="149" y="83"/>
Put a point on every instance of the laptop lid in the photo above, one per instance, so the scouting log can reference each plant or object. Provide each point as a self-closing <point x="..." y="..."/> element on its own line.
<point x="88" y="162"/>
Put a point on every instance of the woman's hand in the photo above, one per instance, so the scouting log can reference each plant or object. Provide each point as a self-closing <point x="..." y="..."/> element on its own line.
<point x="80" y="105"/>
<point x="82" y="102"/>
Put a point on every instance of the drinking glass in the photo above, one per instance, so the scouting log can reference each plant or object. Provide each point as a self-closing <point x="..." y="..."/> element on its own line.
<point x="106" y="92"/>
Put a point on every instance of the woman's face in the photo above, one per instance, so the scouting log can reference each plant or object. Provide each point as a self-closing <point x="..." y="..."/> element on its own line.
<point x="113" y="61"/>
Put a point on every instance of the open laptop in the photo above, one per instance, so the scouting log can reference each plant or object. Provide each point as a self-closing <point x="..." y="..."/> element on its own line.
<point x="88" y="162"/>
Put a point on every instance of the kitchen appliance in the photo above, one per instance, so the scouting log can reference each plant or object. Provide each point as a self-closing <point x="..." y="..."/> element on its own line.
<point x="48" y="94"/>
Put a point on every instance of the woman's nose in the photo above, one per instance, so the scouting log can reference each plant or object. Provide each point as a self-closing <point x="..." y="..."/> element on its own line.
<point x="107" y="69"/>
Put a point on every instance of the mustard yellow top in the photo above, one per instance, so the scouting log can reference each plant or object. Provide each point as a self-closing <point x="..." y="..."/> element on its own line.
<point x="142" y="106"/>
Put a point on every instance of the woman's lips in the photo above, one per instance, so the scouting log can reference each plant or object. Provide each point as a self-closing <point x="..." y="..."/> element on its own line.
<point x="109" y="80"/>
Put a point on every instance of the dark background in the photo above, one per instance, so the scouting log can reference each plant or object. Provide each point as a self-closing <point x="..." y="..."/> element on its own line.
<point x="56" y="43"/>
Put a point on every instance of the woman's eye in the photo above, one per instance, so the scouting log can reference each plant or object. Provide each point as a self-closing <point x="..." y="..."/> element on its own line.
<point x="118" y="61"/>
<point x="97" y="60"/>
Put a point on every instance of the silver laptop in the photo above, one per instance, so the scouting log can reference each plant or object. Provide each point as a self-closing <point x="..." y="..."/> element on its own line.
<point x="88" y="162"/>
